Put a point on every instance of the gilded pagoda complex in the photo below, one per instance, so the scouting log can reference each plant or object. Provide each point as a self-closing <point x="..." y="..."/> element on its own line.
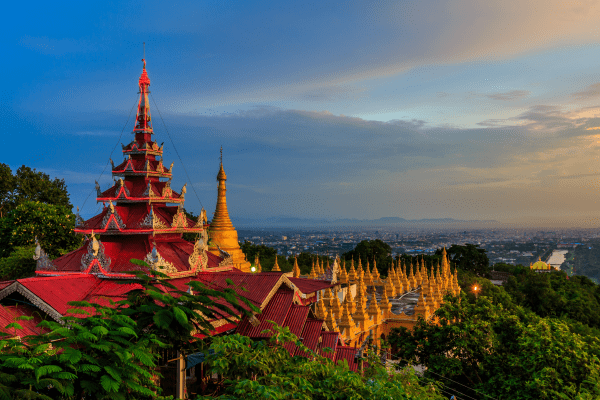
<point x="360" y="303"/>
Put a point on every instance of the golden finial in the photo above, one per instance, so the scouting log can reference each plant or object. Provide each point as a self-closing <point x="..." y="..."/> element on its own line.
<point x="296" y="269"/>
<point x="343" y="277"/>
<point x="330" y="321"/>
<point x="374" y="310"/>
<point x="95" y="244"/>
<point x="336" y="305"/>
<point x="320" y="311"/>
<point x="276" y="266"/>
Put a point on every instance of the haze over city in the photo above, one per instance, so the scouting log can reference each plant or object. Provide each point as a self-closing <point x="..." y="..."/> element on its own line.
<point x="466" y="110"/>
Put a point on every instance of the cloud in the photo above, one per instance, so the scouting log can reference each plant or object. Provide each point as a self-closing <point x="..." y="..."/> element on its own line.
<point x="312" y="52"/>
<point x="280" y="161"/>
<point x="591" y="92"/>
<point x="509" y="96"/>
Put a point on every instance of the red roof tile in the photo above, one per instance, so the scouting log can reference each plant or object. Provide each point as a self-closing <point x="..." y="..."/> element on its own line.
<point x="8" y="315"/>
<point x="295" y="321"/>
<point x="307" y="286"/>
<point x="57" y="291"/>
<point x="310" y="335"/>
<point x="258" y="286"/>
<point x="347" y="353"/>
<point x="276" y="311"/>
<point x="328" y="339"/>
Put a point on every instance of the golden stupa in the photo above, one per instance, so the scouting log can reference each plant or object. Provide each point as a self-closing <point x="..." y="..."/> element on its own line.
<point x="221" y="232"/>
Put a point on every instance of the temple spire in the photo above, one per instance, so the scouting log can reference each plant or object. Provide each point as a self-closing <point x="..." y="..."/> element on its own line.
<point x="221" y="218"/>
<point x="221" y="231"/>
<point x="143" y="124"/>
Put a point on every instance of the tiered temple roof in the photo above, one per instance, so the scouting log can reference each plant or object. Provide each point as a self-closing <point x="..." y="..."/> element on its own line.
<point x="143" y="217"/>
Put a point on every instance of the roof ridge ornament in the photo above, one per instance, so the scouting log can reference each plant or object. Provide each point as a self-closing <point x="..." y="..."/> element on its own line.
<point x="201" y="219"/>
<point x="198" y="260"/>
<point x="227" y="258"/>
<point x="157" y="263"/>
<point x="95" y="252"/>
<point x="42" y="260"/>
<point x="79" y="222"/>
<point x="112" y="219"/>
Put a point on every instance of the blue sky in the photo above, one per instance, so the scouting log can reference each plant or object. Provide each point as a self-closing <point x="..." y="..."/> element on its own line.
<point x="430" y="109"/>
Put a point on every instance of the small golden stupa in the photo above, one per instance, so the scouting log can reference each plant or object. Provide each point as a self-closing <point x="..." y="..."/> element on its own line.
<point x="221" y="232"/>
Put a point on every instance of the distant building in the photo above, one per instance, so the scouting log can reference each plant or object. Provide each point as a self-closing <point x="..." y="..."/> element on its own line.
<point x="540" y="266"/>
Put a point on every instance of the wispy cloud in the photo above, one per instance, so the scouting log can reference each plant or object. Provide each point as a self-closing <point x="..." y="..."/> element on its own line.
<point x="509" y="96"/>
<point x="591" y="92"/>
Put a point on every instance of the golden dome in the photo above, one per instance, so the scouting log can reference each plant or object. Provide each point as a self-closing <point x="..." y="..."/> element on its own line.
<point x="539" y="264"/>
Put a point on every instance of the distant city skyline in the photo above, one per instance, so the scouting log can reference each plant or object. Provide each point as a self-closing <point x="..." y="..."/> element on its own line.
<point x="466" y="110"/>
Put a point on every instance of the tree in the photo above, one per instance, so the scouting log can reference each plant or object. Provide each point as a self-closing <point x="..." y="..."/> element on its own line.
<point x="252" y="250"/>
<point x="265" y="369"/>
<point x="267" y="255"/>
<point x="371" y="250"/>
<point x="554" y="294"/>
<point x="51" y="224"/>
<point x="190" y="237"/>
<point x="30" y="185"/>
<point x="501" y="353"/>
<point x="7" y="186"/>
<point x="468" y="258"/>
<point x="175" y="315"/>
<point x="110" y="352"/>
<point x="101" y="355"/>
<point x="19" y="264"/>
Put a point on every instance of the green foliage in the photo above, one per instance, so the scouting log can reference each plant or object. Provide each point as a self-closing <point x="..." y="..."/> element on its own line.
<point x="503" y="354"/>
<point x="173" y="315"/>
<point x="252" y="250"/>
<point x="265" y="370"/>
<point x="498" y="295"/>
<point x="110" y="352"/>
<point x="52" y="224"/>
<point x="30" y="185"/>
<point x="511" y="269"/>
<point x="101" y="355"/>
<point x="468" y="258"/>
<point x="19" y="264"/>
<point x="7" y="185"/>
<point x="372" y="250"/>
<point x="554" y="294"/>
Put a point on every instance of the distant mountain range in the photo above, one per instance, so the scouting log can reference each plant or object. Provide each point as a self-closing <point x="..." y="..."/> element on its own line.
<point x="293" y="222"/>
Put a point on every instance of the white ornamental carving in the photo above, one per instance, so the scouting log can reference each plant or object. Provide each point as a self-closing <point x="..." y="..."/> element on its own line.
<point x="157" y="263"/>
<point x="199" y="258"/>
<point x="95" y="251"/>
<point x="41" y="258"/>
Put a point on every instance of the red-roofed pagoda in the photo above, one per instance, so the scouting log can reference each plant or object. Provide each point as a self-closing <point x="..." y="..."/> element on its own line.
<point x="143" y="218"/>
